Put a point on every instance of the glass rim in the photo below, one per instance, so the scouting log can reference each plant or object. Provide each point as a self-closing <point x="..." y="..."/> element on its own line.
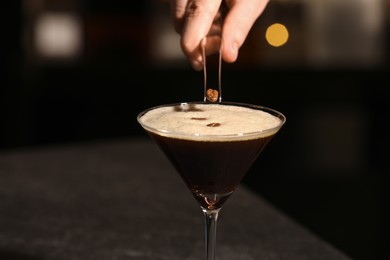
<point x="246" y="135"/>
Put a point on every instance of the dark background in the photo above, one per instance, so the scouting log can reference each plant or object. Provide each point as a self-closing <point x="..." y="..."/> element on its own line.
<point x="328" y="167"/>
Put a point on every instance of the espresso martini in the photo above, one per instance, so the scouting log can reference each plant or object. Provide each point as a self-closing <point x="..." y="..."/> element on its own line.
<point x="211" y="145"/>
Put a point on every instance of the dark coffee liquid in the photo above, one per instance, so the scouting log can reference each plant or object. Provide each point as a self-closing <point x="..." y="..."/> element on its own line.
<point x="211" y="169"/>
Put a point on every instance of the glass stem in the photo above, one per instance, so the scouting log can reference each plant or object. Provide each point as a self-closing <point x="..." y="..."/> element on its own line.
<point x="211" y="217"/>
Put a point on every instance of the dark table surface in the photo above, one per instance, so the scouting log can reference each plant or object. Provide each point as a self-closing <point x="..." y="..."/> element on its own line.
<point x="123" y="200"/>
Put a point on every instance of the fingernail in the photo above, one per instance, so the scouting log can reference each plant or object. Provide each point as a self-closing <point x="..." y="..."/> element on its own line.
<point x="234" y="50"/>
<point x="230" y="53"/>
<point x="197" y="65"/>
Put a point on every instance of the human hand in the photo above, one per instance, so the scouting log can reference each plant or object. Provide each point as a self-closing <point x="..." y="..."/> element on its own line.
<point x="195" y="20"/>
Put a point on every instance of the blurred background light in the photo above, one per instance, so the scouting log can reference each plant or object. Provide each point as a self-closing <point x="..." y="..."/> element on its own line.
<point x="346" y="33"/>
<point x="58" y="35"/>
<point x="276" y="35"/>
<point x="165" y="47"/>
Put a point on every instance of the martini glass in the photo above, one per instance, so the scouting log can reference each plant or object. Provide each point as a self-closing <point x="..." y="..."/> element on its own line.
<point x="211" y="146"/>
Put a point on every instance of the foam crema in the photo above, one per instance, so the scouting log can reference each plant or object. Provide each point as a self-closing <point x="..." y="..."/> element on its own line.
<point x="210" y="121"/>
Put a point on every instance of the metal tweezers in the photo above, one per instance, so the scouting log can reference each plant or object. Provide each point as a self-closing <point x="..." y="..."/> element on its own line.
<point x="203" y="43"/>
<point x="219" y="21"/>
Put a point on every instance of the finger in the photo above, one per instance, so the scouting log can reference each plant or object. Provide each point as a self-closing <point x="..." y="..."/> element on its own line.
<point x="199" y="17"/>
<point x="237" y="26"/>
<point x="178" y="9"/>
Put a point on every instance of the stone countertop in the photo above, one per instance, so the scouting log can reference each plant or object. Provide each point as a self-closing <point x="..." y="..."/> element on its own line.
<point x="121" y="199"/>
